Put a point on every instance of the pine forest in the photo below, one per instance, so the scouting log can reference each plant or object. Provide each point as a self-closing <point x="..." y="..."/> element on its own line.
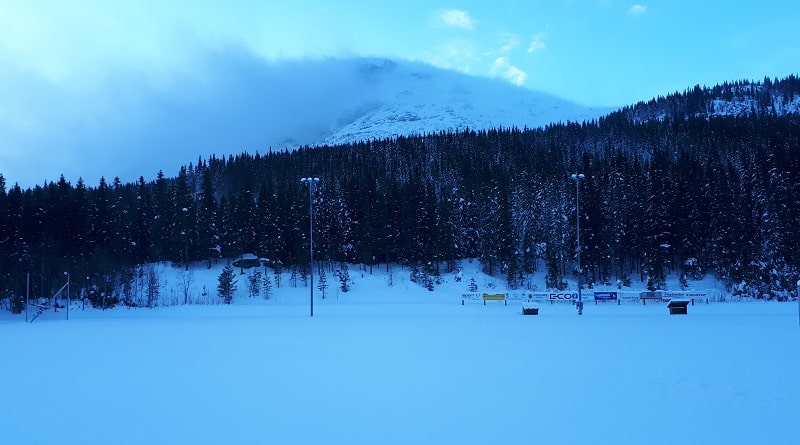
<point x="672" y="186"/>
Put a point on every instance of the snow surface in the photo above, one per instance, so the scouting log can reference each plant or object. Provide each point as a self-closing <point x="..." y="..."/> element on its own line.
<point x="400" y="365"/>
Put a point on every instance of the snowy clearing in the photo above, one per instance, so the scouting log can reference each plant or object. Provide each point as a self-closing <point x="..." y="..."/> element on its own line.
<point x="434" y="372"/>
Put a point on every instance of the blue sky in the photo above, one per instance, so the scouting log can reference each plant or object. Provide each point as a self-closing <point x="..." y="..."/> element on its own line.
<point x="63" y="64"/>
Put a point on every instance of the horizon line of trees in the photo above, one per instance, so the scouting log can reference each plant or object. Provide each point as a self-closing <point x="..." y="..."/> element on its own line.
<point x="660" y="196"/>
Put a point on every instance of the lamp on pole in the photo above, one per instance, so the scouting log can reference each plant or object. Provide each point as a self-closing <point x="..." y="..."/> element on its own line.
<point x="577" y="177"/>
<point x="312" y="185"/>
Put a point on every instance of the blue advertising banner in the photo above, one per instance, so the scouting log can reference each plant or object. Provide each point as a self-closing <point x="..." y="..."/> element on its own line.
<point x="605" y="296"/>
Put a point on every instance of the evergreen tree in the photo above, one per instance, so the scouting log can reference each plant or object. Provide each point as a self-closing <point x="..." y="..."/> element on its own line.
<point x="473" y="286"/>
<point x="344" y="278"/>
<point x="278" y="271"/>
<point x="184" y="219"/>
<point x="162" y="227"/>
<point x="207" y="237"/>
<point x="322" y="283"/>
<point x="254" y="281"/>
<point x="226" y="287"/>
<point x="141" y="237"/>
<point x="267" y="286"/>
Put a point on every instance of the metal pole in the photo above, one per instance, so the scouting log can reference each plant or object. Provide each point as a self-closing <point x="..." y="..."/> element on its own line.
<point x="27" y="295"/>
<point x="577" y="177"/>
<point x="311" y="182"/>
<point x="68" y="302"/>
<point x="311" y="240"/>
<point x="578" y="228"/>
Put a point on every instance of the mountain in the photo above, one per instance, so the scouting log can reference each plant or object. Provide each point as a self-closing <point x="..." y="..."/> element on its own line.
<point x="404" y="98"/>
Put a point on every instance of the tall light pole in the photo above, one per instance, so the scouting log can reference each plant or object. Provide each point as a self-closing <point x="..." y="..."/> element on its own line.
<point x="577" y="177"/>
<point x="312" y="185"/>
<point x="68" y="301"/>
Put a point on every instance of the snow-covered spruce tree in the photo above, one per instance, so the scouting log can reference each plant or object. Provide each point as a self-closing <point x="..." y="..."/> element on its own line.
<point x="278" y="271"/>
<point x="227" y="284"/>
<point x="17" y="303"/>
<point x="427" y="282"/>
<point x="473" y="286"/>
<point x="322" y="285"/>
<point x="344" y="277"/>
<point x="208" y="239"/>
<point x="267" y="285"/>
<point x="254" y="282"/>
<point x="684" y="282"/>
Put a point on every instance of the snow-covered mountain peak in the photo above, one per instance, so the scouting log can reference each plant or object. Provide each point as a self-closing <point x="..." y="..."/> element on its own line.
<point x="405" y="98"/>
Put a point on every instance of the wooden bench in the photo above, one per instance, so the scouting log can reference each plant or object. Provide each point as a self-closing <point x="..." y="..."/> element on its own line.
<point x="495" y="297"/>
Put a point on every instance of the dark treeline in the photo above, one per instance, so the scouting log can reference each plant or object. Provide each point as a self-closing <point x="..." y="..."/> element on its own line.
<point x="677" y="194"/>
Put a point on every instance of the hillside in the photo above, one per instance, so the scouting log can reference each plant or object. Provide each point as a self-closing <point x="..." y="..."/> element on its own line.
<point x="776" y="97"/>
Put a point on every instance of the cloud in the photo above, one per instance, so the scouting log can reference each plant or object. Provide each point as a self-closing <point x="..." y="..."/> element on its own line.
<point x="455" y="54"/>
<point x="456" y="18"/>
<point x="637" y="9"/>
<point x="502" y="67"/>
<point x="130" y="128"/>
<point x="537" y="43"/>
<point x="511" y="42"/>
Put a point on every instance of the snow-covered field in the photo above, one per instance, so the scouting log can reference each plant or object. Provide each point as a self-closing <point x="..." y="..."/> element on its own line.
<point x="399" y="365"/>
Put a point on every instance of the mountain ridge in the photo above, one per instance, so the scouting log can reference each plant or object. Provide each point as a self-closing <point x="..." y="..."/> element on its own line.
<point x="414" y="99"/>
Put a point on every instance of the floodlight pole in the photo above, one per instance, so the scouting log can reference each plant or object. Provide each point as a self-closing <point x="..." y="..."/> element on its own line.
<point x="577" y="177"/>
<point x="68" y="302"/>
<point x="312" y="185"/>
<point x="27" y="295"/>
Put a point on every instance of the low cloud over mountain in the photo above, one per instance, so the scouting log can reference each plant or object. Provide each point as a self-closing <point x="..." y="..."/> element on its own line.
<point x="129" y="125"/>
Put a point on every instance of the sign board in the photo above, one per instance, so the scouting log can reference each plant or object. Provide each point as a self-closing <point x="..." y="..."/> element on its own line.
<point x="554" y="297"/>
<point x="518" y="296"/>
<point x="687" y="295"/>
<point x="605" y="296"/>
<point x="628" y="297"/>
<point x="654" y="296"/>
<point x="565" y="297"/>
<point x="527" y="296"/>
<point x="471" y="296"/>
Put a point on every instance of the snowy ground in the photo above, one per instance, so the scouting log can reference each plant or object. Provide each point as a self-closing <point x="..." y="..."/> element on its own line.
<point x="410" y="367"/>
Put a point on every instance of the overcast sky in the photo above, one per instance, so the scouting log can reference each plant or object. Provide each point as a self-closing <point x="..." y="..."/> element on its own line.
<point x="57" y="55"/>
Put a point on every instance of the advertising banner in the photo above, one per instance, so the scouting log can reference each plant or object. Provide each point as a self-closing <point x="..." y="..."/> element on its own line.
<point x="471" y="296"/>
<point x="517" y="296"/>
<point x="528" y="296"/>
<point x="605" y="296"/>
<point x="563" y="297"/>
<point x="628" y="296"/>
<point x="652" y="296"/>
<point x="687" y="295"/>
